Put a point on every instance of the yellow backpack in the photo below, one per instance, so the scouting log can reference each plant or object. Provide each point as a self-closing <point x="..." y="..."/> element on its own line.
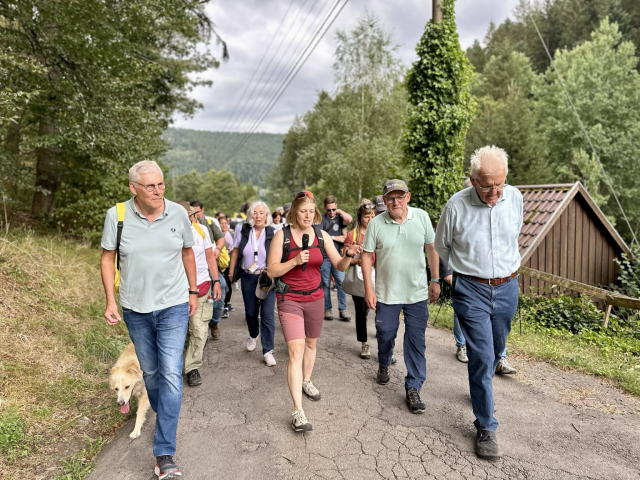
<point x="223" y="258"/>
<point x="120" y="210"/>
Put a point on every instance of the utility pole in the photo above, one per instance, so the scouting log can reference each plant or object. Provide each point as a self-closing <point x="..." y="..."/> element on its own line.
<point x="437" y="11"/>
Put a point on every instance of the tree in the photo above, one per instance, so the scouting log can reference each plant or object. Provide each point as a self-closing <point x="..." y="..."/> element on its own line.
<point x="441" y="112"/>
<point x="602" y="79"/>
<point x="220" y="190"/>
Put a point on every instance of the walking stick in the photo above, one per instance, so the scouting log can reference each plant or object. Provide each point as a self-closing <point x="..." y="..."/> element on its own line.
<point x="436" y="319"/>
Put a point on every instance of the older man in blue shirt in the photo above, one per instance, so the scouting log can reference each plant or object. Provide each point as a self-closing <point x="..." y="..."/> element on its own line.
<point x="478" y="237"/>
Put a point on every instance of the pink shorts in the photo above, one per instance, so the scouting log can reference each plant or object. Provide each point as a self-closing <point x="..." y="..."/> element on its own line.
<point x="301" y="319"/>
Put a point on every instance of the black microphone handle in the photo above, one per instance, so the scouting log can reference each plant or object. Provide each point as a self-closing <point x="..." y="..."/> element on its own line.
<point x="305" y="246"/>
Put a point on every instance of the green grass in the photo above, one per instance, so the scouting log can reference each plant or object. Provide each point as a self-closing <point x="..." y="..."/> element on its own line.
<point x="81" y="463"/>
<point x="613" y="357"/>
<point x="13" y="439"/>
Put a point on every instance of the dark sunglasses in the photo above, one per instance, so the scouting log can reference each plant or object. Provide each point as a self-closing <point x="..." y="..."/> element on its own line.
<point x="303" y="194"/>
<point x="331" y="209"/>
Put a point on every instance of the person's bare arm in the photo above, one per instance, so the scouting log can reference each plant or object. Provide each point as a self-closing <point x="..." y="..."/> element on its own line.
<point x="275" y="268"/>
<point x="347" y="219"/>
<point x="108" y="271"/>
<point x="189" y="262"/>
<point x="434" y="266"/>
<point x="213" y="270"/>
<point x="232" y="263"/>
<point x="367" y="265"/>
<point x="341" y="263"/>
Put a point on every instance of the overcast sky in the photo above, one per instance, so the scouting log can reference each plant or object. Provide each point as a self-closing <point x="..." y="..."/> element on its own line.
<point x="249" y="25"/>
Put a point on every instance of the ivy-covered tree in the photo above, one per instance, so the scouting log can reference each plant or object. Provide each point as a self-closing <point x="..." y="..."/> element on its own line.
<point x="441" y="112"/>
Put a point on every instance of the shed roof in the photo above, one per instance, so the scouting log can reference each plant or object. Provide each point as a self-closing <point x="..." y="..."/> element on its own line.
<point x="543" y="205"/>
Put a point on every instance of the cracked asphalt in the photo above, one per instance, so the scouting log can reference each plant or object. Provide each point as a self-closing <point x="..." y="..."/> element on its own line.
<point x="554" y="424"/>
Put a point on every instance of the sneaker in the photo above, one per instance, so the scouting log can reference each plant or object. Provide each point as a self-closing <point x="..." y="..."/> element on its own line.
<point x="312" y="392"/>
<point x="487" y="445"/>
<point x="461" y="354"/>
<point x="225" y="313"/>
<point x="269" y="360"/>
<point x="383" y="375"/>
<point x="344" y="316"/>
<point x="365" y="352"/>
<point x="193" y="378"/>
<point x="504" y="368"/>
<point x="328" y="315"/>
<point x="251" y="344"/>
<point x="413" y="401"/>
<point x="166" y="468"/>
<point x="300" y="422"/>
<point x="394" y="360"/>
<point x="229" y="307"/>
<point x="215" y="331"/>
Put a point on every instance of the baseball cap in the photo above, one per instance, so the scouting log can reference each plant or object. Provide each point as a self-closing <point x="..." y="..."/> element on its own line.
<point x="380" y="205"/>
<point x="287" y="207"/>
<point x="187" y="207"/>
<point x="395" y="184"/>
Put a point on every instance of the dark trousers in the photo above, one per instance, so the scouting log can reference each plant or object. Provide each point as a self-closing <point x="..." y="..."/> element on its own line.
<point x="227" y="297"/>
<point x="415" y="324"/>
<point x="254" y="307"/>
<point x="362" y="311"/>
<point x="485" y="314"/>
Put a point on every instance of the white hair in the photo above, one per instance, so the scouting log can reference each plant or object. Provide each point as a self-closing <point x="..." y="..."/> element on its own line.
<point x="252" y="207"/>
<point x="488" y="152"/>
<point x="143" y="167"/>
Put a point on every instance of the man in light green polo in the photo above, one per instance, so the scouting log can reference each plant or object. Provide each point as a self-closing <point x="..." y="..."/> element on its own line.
<point x="399" y="237"/>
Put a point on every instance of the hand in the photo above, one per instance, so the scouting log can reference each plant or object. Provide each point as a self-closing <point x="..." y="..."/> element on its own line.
<point x="217" y="291"/>
<point x="303" y="257"/>
<point x="354" y="249"/>
<point x="434" y="291"/>
<point x="111" y="314"/>
<point x="193" y="305"/>
<point x="216" y="253"/>
<point x="448" y="279"/>
<point x="370" y="298"/>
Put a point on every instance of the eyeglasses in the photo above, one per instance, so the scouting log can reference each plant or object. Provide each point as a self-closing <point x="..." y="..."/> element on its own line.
<point x="152" y="186"/>
<point x="498" y="188"/>
<point x="399" y="198"/>
<point x="303" y="194"/>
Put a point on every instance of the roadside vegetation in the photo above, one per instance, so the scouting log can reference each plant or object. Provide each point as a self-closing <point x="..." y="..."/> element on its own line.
<point x="55" y="354"/>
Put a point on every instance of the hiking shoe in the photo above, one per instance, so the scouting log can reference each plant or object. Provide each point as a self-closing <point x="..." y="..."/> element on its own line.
<point x="269" y="360"/>
<point x="383" y="375"/>
<point x="193" y="378"/>
<point x="413" y="401"/>
<point x="365" y="352"/>
<point x="504" y="368"/>
<point x="225" y="313"/>
<point x="328" y="315"/>
<point x="166" y="468"/>
<point x="215" y="331"/>
<point x="300" y="422"/>
<point x="312" y="392"/>
<point x="251" y="344"/>
<point x="344" y="316"/>
<point x="487" y="445"/>
<point x="461" y="354"/>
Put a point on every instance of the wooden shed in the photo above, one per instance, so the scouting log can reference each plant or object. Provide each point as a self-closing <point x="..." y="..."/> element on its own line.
<point x="566" y="234"/>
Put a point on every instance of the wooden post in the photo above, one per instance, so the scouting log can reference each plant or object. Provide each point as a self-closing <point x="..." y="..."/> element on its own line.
<point x="607" y="313"/>
<point x="437" y="11"/>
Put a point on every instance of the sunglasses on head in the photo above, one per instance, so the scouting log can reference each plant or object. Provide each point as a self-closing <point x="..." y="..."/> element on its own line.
<point x="368" y="205"/>
<point x="303" y="194"/>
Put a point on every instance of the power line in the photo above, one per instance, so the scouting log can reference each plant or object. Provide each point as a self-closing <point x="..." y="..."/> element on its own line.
<point x="292" y="74"/>
<point x="606" y="178"/>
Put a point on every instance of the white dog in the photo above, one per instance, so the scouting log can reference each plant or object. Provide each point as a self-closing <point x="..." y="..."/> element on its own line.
<point x="126" y="379"/>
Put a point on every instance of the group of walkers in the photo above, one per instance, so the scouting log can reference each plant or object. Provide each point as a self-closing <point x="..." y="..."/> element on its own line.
<point x="171" y="268"/>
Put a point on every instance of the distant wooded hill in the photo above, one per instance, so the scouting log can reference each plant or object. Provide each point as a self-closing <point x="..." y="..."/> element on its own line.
<point x="204" y="151"/>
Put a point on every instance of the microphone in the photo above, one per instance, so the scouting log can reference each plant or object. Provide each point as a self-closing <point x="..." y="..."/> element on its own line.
<point x="305" y="246"/>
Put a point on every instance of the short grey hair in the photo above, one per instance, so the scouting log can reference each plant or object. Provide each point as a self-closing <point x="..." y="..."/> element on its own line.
<point x="488" y="152"/>
<point x="253" y="206"/>
<point x="143" y="167"/>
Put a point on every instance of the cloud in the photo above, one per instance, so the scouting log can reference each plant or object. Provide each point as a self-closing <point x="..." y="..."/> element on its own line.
<point x="248" y="27"/>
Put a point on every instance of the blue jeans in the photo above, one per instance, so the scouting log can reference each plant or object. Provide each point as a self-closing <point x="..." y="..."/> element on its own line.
<point x="459" y="336"/>
<point x="485" y="314"/>
<point x="254" y="307"/>
<point x="326" y="271"/>
<point x="159" y="340"/>
<point x="415" y="324"/>
<point x="219" y="304"/>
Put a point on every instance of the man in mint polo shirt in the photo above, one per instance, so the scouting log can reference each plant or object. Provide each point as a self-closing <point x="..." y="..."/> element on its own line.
<point x="399" y="238"/>
<point x="158" y="293"/>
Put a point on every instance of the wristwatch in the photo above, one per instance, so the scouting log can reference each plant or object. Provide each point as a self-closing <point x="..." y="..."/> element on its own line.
<point x="350" y="256"/>
<point x="216" y="280"/>
<point x="435" y="280"/>
<point x="194" y="292"/>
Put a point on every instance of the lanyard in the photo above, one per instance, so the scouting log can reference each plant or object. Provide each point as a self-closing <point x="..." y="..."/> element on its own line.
<point x="255" y="248"/>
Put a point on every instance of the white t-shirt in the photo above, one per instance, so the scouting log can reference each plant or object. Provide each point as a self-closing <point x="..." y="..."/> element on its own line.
<point x="202" y="268"/>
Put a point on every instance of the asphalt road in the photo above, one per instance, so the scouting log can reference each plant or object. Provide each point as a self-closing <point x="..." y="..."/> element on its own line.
<point x="554" y="424"/>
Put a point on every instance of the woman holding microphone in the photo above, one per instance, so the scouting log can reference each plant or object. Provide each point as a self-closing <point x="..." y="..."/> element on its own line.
<point x="300" y="295"/>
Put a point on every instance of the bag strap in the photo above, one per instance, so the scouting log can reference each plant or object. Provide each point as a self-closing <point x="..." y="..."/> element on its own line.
<point x="198" y="229"/>
<point x="120" y="211"/>
<point x="286" y="244"/>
